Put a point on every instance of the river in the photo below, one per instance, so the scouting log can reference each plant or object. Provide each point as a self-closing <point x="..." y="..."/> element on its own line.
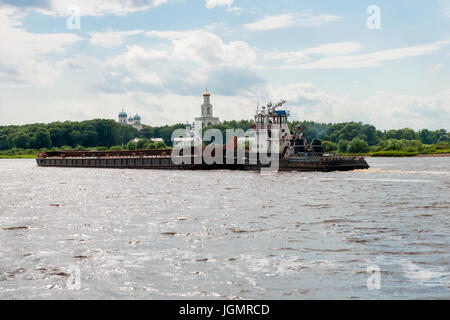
<point x="75" y="233"/>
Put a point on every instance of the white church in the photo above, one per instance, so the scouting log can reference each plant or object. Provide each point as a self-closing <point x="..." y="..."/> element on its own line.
<point x="135" y="121"/>
<point x="207" y="118"/>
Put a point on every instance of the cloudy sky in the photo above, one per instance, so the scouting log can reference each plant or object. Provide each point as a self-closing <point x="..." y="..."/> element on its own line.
<point x="155" y="57"/>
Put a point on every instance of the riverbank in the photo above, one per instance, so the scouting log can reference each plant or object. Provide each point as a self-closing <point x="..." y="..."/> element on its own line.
<point x="19" y="156"/>
<point x="424" y="155"/>
<point x="397" y="154"/>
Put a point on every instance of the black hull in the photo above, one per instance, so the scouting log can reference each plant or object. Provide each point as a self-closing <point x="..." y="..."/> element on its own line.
<point x="166" y="163"/>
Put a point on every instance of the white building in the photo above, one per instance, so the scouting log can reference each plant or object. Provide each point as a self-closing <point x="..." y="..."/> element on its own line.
<point x="135" y="121"/>
<point x="207" y="118"/>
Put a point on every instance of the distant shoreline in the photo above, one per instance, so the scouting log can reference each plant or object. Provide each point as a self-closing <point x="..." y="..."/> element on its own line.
<point x="434" y="155"/>
<point x="420" y="155"/>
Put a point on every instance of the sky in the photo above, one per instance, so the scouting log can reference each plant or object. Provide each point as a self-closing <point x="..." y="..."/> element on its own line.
<point x="381" y="62"/>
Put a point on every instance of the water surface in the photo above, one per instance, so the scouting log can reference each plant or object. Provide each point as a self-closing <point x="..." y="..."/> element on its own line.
<point x="148" y="234"/>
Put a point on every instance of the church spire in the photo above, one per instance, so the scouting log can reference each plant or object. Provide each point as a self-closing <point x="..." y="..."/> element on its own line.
<point x="207" y="118"/>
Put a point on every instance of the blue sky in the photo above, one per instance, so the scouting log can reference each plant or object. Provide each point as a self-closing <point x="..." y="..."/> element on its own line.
<point x="154" y="57"/>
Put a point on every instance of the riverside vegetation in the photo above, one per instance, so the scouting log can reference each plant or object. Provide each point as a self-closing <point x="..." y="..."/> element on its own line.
<point x="26" y="141"/>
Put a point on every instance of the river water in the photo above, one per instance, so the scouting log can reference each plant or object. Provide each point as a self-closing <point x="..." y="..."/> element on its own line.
<point x="73" y="233"/>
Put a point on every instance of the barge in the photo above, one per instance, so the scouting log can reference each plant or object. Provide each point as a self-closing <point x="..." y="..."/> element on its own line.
<point x="162" y="159"/>
<point x="272" y="146"/>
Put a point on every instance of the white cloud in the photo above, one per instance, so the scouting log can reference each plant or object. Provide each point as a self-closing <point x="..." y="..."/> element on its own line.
<point x="23" y="54"/>
<point x="87" y="7"/>
<point x="210" y="4"/>
<point x="206" y="49"/>
<point x="369" y="60"/>
<point x="136" y="65"/>
<point x="385" y="110"/>
<point x="182" y="62"/>
<point x="161" y="82"/>
<point x="306" y="101"/>
<point x="111" y="38"/>
<point x="331" y="49"/>
<point x="291" y="19"/>
<point x="390" y="110"/>
<point x="219" y="27"/>
<point x="272" y="22"/>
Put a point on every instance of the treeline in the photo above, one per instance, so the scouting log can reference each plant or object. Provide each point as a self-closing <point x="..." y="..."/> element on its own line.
<point x="89" y="134"/>
<point x="356" y="137"/>
<point x="353" y="137"/>
<point x="77" y="135"/>
<point x="70" y="134"/>
<point x="368" y="133"/>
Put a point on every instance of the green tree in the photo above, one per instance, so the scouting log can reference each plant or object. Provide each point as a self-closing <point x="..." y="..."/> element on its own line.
<point x="79" y="147"/>
<point x="408" y="134"/>
<point x="343" y="145"/>
<point x="146" y="132"/>
<point x="425" y="136"/>
<point x="76" y="138"/>
<point x="42" y="139"/>
<point x="90" y="138"/>
<point x="160" y="145"/>
<point x="141" y="144"/>
<point x="358" y="145"/>
<point x="22" y="141"/>
<point x="394" y="134"/>
<point x="57" y="136"/>
<point x="131" y="145"/>
<point x="329" y="146"/>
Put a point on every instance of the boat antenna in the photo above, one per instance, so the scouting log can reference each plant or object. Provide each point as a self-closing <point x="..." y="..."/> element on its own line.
<point x="279" y="104"/>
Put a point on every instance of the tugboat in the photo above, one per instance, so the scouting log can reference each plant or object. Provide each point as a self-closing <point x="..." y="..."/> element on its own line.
<point x="271" y="146"/>
<point x="272" y="135"/>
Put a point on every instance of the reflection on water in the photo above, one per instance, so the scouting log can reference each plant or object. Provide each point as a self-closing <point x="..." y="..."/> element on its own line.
<point x="225" y="234"/>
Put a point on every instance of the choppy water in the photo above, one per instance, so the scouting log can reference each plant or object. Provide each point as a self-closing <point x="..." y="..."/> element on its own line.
<point x="224" y="234"/>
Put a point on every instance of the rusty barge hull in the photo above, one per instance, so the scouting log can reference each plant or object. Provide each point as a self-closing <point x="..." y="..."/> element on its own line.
<point x="161" y="159"/>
